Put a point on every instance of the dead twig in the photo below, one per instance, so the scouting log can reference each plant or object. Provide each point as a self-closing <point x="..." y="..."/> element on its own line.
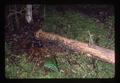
<point x="14" y="12"/>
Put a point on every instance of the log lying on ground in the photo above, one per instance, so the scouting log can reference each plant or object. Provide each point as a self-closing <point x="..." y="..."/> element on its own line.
<point x="96" y="51"/>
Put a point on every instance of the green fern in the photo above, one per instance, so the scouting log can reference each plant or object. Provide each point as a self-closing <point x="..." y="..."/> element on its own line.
<point x="51" y="64"/>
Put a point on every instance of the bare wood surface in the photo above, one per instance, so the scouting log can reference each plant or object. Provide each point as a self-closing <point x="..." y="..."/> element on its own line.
<point x="96" y="51"/>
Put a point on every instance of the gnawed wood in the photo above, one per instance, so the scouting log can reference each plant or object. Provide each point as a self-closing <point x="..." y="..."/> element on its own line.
<point x="99" y="52"/>
<point x="28" y="15"/>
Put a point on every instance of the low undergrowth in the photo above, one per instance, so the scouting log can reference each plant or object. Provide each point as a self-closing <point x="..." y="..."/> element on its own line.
<point x="69" y="66"/>
<point x="71" y="25"/>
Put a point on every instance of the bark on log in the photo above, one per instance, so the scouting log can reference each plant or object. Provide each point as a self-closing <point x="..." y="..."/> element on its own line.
<point x="99" y="52"/>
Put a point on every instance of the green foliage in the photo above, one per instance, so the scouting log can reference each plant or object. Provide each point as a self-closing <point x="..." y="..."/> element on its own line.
<point x="75" y="26"/>
<point x="18" y="69"/>
<point x="82" y="69"/>
<point x="71" y="25"/>
<point x="51" y="64"/>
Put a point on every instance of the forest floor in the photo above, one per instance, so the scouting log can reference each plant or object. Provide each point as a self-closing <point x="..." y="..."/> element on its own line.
<point x="70" y="24"/>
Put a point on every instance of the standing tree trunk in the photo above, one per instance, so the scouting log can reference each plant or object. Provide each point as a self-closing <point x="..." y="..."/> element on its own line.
<point x="16" y="19"/>
<point x="28" y="15"/>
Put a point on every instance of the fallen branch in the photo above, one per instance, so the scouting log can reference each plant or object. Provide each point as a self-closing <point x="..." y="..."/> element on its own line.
<point x="14" y="12"/>
<point x="96" y="51"/>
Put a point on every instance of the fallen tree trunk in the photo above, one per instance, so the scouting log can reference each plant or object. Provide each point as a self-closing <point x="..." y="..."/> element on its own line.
<point x="96" y="51"/>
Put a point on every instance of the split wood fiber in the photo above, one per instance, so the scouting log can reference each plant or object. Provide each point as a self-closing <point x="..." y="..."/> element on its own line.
<point x="104" y="54"/>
